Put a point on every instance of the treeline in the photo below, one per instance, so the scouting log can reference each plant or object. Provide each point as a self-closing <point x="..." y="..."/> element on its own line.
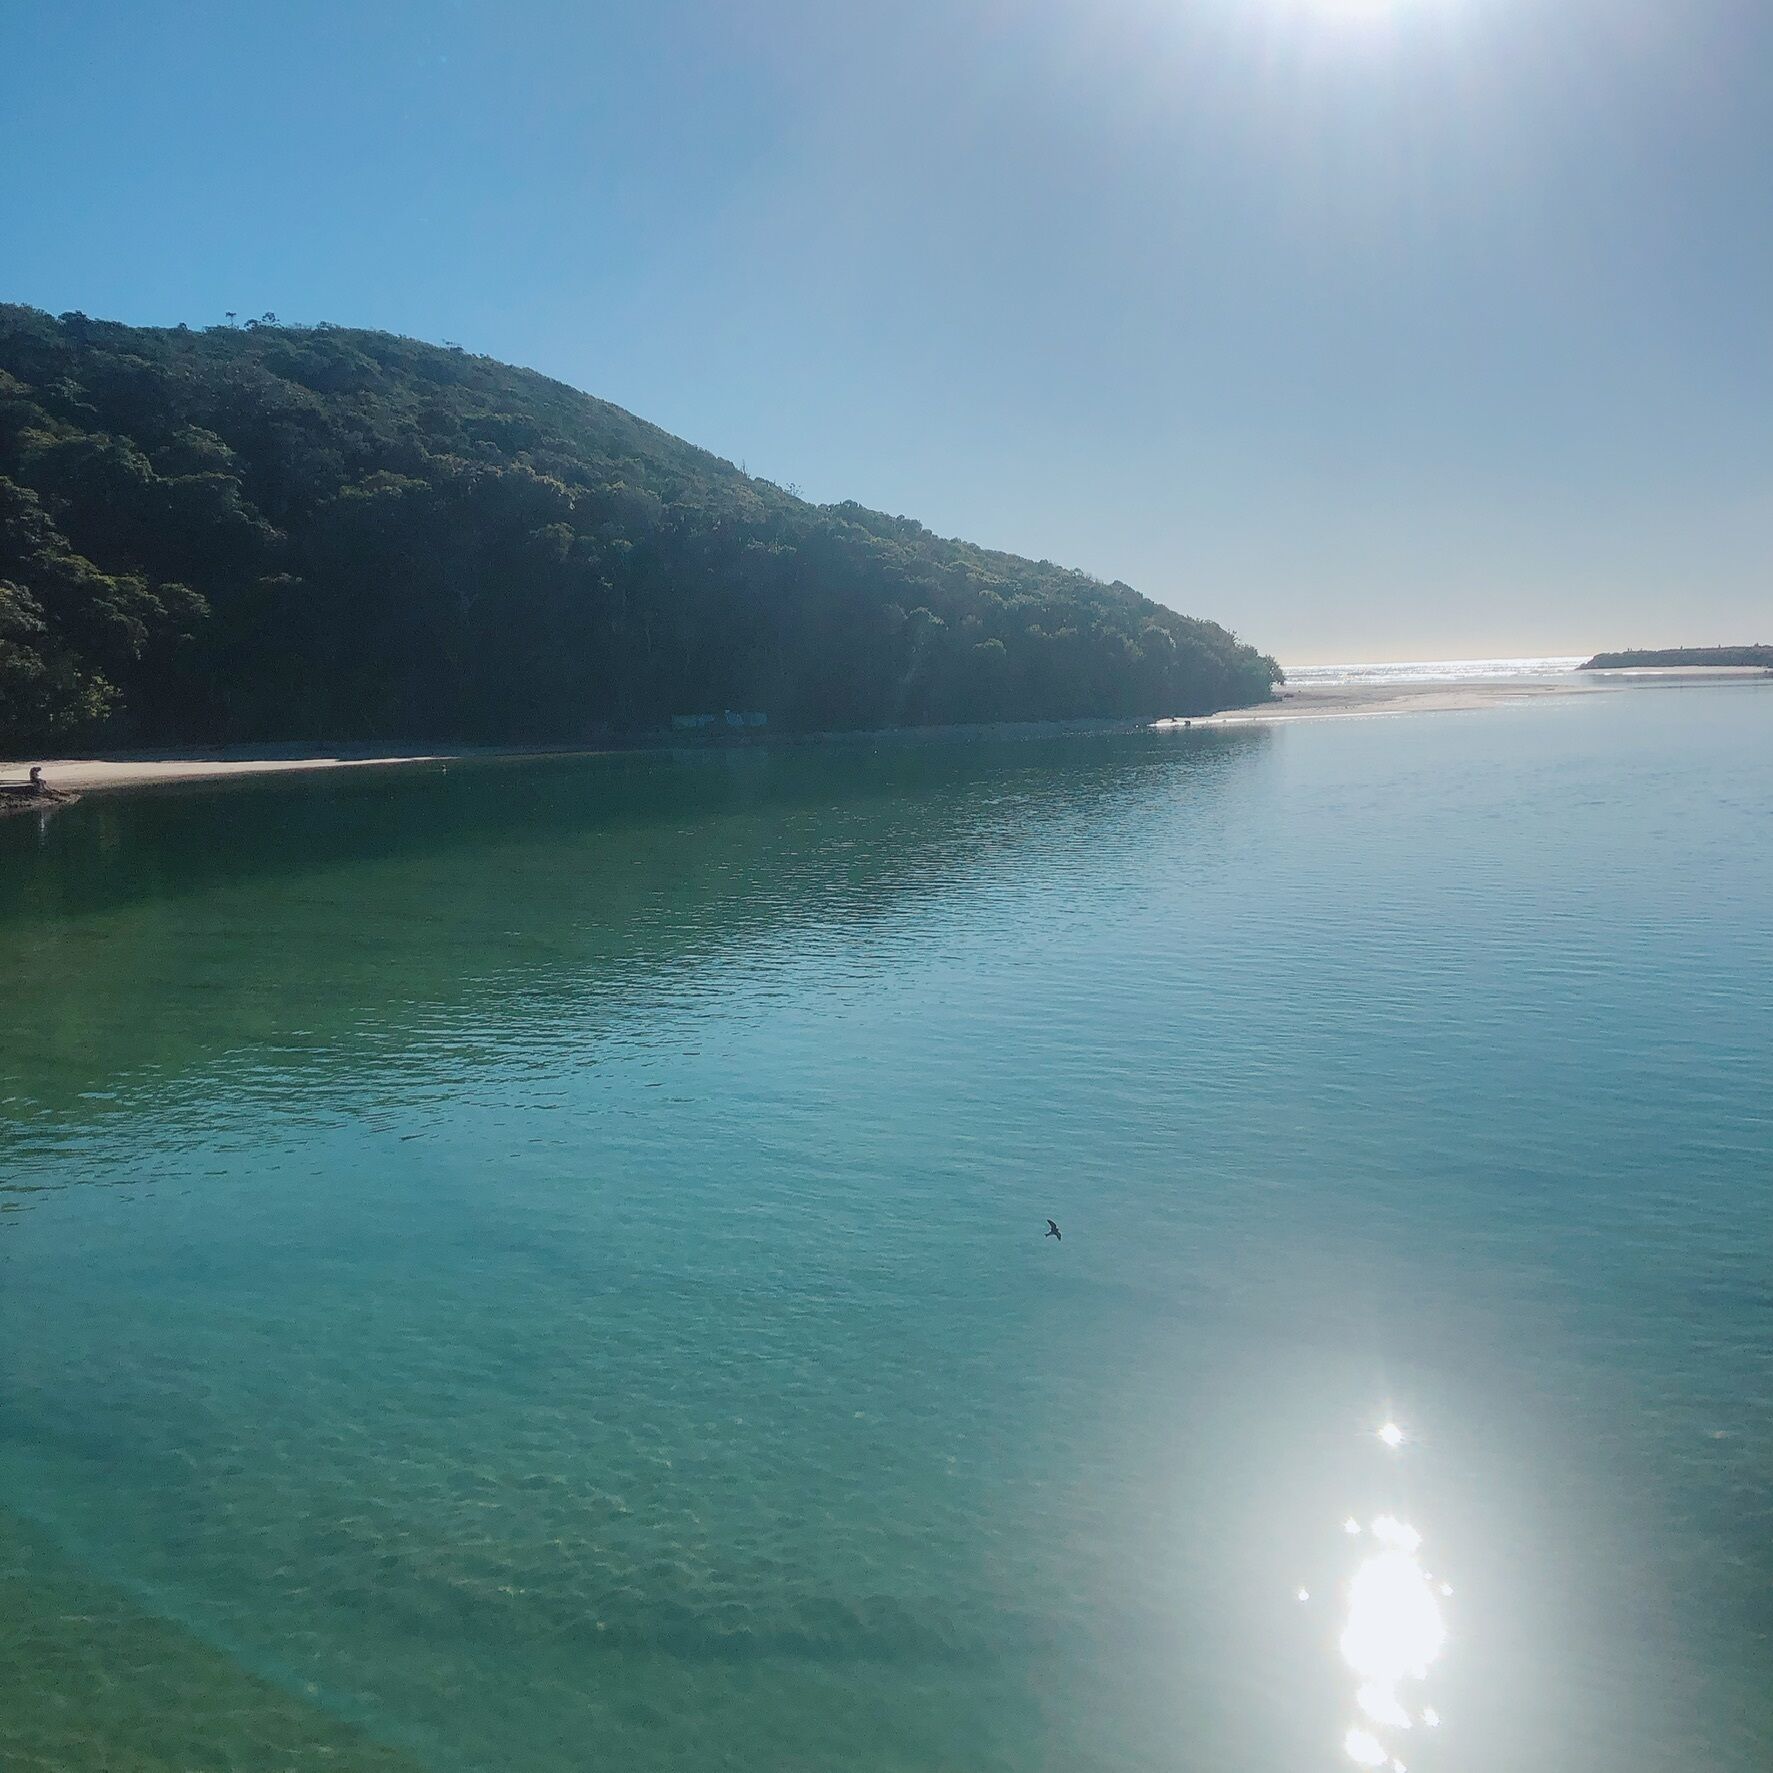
<point x="1681" y="655"/>
<point x="270" y="532"/>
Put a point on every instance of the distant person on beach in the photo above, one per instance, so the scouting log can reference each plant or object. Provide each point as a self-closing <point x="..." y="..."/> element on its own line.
<point x="37" y="781"/>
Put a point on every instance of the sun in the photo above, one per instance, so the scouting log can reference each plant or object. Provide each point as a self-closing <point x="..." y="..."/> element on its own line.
<point x="1352" y="18"/>
<point x="1355" y="12"/>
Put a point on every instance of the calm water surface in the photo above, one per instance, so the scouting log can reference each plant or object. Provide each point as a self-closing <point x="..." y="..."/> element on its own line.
<point x="541" y="1267"/>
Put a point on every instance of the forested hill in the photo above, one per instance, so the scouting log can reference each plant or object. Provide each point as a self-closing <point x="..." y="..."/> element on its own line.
<point x="272" y="532"/>
<point x="1708" y="656"/>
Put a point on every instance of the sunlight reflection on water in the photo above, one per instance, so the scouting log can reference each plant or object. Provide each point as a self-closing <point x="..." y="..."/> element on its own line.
<point x="1393" y="1630"/>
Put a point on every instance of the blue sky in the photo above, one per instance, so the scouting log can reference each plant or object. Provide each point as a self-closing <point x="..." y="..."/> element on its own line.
<point x="1376" y="329"/>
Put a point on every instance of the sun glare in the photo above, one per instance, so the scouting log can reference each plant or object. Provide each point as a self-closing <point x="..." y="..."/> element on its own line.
<point x="1393" y="1632"/>
<point x="1352" y="12"/>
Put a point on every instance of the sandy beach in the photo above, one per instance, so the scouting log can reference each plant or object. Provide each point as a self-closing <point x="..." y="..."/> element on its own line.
<point x="140" y="769"/>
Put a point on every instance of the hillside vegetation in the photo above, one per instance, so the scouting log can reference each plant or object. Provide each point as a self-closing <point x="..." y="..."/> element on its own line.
<point x="270" y="532"/>
<point x="1737" y="656"/>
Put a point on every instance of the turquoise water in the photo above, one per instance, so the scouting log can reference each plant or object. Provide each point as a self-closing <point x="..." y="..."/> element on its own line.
<point x="541" y="1266"/>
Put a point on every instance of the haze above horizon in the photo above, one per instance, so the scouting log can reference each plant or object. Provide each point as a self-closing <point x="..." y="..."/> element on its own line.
<point x="1430" y="329"/>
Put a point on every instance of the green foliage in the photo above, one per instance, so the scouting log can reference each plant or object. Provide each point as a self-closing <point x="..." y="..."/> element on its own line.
<point x="1710" y="657"/>
<point x="276" y="532"/>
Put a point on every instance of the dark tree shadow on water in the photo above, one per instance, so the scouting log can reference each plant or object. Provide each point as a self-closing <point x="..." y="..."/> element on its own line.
<point x="318" y="920"/>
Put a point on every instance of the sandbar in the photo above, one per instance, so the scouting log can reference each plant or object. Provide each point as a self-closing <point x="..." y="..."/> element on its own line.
<point x="1315" y="701"/>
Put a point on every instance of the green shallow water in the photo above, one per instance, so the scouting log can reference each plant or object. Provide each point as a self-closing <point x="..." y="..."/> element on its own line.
<point x="539" y="1267"/>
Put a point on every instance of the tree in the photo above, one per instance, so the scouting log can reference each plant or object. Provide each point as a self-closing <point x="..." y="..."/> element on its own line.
<point x="264" y="532"/>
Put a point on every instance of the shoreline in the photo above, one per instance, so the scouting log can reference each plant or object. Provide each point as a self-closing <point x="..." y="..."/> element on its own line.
<point x="1345" y="701"/>
<point x="147" y="769"/>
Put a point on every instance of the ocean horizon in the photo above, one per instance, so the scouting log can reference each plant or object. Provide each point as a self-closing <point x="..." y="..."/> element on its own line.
<point x="1433" y="671"/>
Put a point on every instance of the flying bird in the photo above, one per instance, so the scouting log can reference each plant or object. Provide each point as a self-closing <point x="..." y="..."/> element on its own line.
<point x="1053" y="1231"/>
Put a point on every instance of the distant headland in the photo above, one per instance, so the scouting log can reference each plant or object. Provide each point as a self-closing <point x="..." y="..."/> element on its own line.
<point x="244" y="535"/>
<point x="1679" y="657"/>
